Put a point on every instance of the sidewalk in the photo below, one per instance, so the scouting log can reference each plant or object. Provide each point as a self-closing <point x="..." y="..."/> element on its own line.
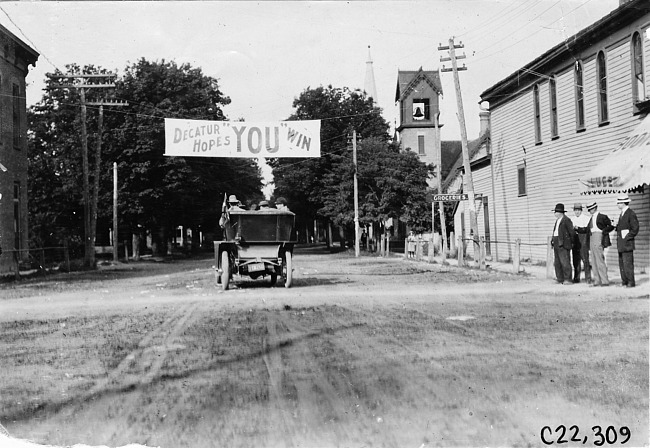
<point x="533" y="270"/>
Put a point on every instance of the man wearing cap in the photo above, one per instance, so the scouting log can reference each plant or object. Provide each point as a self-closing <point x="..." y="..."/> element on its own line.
<point x="626" y="230"/>
<point x="580" y="250"/>
<point x="281" y="204"/>
<point x="264" y="205"/>
<point x="563" y="235"/>
<point x="597" y="232"/>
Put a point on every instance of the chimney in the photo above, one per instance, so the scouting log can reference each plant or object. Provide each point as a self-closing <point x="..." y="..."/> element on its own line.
<point x="485" y="122"/>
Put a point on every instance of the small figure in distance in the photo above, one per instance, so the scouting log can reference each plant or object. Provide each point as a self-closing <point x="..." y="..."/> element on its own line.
<point x="281" y="204"/>
<point x="264" y="205"/>
<point x="411" y="244"/>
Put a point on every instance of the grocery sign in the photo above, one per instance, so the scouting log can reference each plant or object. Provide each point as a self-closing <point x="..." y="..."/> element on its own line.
<point x="454" y="197"/>
<point x="202" y="138"/>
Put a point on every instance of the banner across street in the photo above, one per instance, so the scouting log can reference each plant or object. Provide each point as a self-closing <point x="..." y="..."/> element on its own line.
<point x="202" y="138"/>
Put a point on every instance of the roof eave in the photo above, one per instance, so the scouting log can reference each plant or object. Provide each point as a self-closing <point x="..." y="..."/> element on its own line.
<point x="624" y="14"/>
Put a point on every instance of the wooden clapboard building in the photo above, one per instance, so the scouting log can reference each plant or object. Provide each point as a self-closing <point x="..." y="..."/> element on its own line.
<point x="561" y="128"/>
<point x="15" y="59"/>
<point x="480" y="156"/>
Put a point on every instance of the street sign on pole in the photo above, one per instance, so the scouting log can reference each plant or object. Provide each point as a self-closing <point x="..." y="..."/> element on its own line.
<point x="454" y="197"/>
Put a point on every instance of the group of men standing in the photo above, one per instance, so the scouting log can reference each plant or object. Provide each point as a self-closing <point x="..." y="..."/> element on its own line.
<point x="585" y="238"/>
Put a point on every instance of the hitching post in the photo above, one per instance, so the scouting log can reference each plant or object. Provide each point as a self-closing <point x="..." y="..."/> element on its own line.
<point x="549" y="258"/>
<point x="517" y="257"/>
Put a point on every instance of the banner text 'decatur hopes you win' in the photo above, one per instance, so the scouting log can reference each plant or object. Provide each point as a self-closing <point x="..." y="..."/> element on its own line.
<point x="202" y="138"/>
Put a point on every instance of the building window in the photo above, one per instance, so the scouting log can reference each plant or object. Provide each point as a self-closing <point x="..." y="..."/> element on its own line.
<point x="601" y="74"/>
<point x="521" y="179"/>
<point x="421" y="109"/>
<point x="17" y="228"/>
<point x="638" y="82"/>
<point x="421" y="144"/>
<point x="16" y="116"/>
<point x="580" y="97"/>
<point x="552" y="99"/>
<point x="538" y="123"/>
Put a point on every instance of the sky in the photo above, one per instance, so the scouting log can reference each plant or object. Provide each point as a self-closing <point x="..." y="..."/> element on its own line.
<point x="264" y="54"/>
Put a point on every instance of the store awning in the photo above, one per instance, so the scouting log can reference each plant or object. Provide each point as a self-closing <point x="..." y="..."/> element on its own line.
<point x="626" y="168"/>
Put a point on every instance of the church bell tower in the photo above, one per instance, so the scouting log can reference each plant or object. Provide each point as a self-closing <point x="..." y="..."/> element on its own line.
<point x="417" y="96"/>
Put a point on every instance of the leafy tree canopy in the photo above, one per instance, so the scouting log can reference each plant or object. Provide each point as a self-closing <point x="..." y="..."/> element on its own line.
<point x="391" y="183"/>
<point x="155" y="191"/>
<point x="340" y="110"/>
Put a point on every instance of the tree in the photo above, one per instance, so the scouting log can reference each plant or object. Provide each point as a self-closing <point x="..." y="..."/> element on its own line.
<point x="392" y="183"/>
<point x="340" y="110"/>
<point x="155" y="192"/>
<point x="159" y="192"/>
<point x="55" y="171"/>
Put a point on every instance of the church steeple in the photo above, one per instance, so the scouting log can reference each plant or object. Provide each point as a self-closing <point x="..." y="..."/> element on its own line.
<point x="369" y="87"/>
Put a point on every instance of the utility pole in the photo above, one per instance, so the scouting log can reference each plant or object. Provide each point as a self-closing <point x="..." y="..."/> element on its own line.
<point x="115" y="239"/>
<point x="90" y="204"/>
<point x="357" y="231"/>
<point x="441" y="204"/>
<point x="467" y="178"/>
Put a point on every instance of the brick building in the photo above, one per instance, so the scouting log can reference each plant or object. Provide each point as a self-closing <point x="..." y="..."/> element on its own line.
<point x="15" y="59"/>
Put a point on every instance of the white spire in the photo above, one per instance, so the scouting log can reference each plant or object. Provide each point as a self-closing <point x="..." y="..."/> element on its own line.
<point x="369" y="86"/>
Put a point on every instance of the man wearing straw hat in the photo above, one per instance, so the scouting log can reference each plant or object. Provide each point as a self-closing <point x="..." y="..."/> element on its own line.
<point x="597" y="231"/>
<point x="563" y="235"/>
<point x="626" y="230"/>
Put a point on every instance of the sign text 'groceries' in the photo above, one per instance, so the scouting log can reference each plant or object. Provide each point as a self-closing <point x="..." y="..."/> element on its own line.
<point x="201" y="138"/>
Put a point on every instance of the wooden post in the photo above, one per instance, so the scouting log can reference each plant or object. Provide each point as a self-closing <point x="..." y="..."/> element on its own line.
<point x="406" y="247"/>
<point x="17" y="263"/>
<point x="431" y="249"/>
<point x="516" y="259"/>
<point x="418" y="249"/>
<point x="66" y="253"/>
<point x="126" y="251"/>
<point x="452" y="242"/>
<point x="461" y="252"/>
<point x="550" y="273"/>
<point x="481" y="253"/>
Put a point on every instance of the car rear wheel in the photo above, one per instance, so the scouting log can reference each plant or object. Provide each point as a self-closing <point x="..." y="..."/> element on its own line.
<point x="288" y="270"/>
<point x="225" y="270"/>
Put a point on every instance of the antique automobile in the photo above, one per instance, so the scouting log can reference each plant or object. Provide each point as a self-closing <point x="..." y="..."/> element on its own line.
<point x="257" y="243"/>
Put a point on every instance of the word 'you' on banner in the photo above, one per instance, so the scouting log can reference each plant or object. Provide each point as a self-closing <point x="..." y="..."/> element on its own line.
<point x="202" y="138"/>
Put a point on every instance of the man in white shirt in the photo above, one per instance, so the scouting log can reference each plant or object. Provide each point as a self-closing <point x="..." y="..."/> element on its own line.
<point x="597" y="232"/>
<point x="580" y="249"/>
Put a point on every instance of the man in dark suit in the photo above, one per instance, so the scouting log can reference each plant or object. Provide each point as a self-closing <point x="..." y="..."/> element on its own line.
<point x="597" y="232"/>
<point x="563" y="235"/>
<point x="626" y="230"/>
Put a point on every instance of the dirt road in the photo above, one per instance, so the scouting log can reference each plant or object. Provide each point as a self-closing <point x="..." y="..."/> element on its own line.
<point x="358" y="353"/>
